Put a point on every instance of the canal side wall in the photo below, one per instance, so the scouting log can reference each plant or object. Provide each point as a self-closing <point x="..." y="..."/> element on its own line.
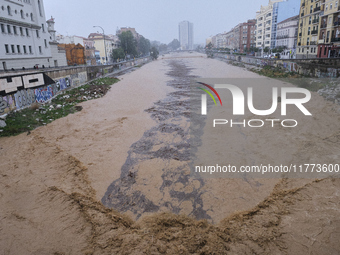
<point x="320" y="68"/>
<point x="19" y="90"/>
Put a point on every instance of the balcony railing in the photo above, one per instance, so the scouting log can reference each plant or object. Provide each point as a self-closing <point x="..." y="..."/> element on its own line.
<point x="323" y="25"/>
<point x="335" y="39"/>
<point x="317" y="9"/>
<point x="282" y="36"/>
<point x="336" y="23"/>
<point x="315" y="21"/>
<point x="314" y="32"/>
<point x="312" y="43"/>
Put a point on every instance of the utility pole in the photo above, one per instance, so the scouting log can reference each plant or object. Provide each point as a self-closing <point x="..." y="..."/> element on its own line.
<point x="104" y="42"/>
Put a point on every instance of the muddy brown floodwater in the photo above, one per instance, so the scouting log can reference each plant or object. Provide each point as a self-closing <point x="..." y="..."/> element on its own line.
<point x="115" y="177"/>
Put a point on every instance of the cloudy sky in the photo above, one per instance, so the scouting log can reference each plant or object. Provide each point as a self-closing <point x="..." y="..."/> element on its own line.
<point x="154" y="19"/>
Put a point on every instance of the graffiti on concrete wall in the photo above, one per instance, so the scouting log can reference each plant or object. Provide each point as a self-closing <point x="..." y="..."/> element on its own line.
<point x="7" y="104"/>
<point x="43" y="94"/>
<point x="63" y="83"/>
<point x="3" y="105"/>
<point x="24" y="98"/>
<point x="22" y="91"/>
<point x="11" y="84"/>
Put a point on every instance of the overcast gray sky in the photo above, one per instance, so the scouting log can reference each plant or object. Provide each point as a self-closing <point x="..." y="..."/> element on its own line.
<point x="154" y="19"/>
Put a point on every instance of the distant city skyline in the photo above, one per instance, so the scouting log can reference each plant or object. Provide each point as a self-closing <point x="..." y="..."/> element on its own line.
<point x="154" y="19"/>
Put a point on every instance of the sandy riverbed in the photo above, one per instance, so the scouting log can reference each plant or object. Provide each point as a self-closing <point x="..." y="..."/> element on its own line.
<point x="136" y="162"/>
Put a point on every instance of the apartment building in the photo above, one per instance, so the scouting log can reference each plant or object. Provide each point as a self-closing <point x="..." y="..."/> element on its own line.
<point x="103" y="45"/>
<point x="247" y="35"/>
<point x="309" y="27"/>
<point x="266" y="25"/>
<point x="24" y="36"/>
<point x="186" y="35"/>
<point x="329" y="35"/>
<point x="286" y="36"/>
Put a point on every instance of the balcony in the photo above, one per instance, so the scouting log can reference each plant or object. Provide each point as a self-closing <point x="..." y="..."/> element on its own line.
<point x="339" y="8"/>
<point x="314" y="32"/>
<point x="323" y="25"/>
<point x="312" y="43"/>
<point x="282" y="36"/>
<point x="317" y="9"/>
<point x="336" y="23"/>
<point x="315" y="21"/>
<point x="335" y="39"/>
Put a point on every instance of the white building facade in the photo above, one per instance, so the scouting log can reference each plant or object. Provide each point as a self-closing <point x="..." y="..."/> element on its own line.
<point x="266" y="25"/>
<point x="286" y="37"/>
<point x="186" y="35"/>
<point x="24" y="36"/>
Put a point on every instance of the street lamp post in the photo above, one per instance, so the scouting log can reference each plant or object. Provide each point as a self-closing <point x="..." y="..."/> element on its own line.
<point x="104" y="42"/>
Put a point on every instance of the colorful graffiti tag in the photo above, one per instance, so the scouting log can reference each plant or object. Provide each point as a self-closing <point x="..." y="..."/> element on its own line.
<point x="43" y="94"/>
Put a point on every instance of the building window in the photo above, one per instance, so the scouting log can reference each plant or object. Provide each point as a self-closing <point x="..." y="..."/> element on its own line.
<point x="336" y="4"/>
<point x="9" y="11"/>
<point x="331" y="6"/>
<point x="311" y="9"/>
<point x="24" y="47"/>
<point x="3" y="28"/>
<point x="39" y="6"/>
<point x="27" y="33"/>
<point x="22" y="14"/>
<point x="45" y="43"/>
<point x="13" y="48"/>
<point x="32" y="17"/>
<point x="15" y="30"/>
<point x="6" y="48"/>
<point x="30" y="49"/>
<point x="9" y="29"/>
<point x="21" y="31"/>
<point x="40" y="50"/>
<point x="326" y="7"/>
<point x="18" y="48"/>
<point x="43" y="27"/>
<point x="37" y="33"/>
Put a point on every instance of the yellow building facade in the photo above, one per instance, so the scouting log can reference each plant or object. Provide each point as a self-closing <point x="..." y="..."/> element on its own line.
<point x="311" y="12"/>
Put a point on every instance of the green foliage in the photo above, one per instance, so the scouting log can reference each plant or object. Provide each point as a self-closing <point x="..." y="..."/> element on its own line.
<point x="144" y="46"/>
<point x="209" y="46"/>
<point x="117" y="54"/>
<point x="163" y="47"/>
<point x="174" y="45"/>
<point x="128" y="43"/>
<point x="266" y="50"/>
<point x="154" y="53"/>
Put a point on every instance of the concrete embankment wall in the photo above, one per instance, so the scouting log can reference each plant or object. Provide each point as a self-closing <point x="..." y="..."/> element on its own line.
<point x="20" y="90"/>
<point x="320" y="68"/>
